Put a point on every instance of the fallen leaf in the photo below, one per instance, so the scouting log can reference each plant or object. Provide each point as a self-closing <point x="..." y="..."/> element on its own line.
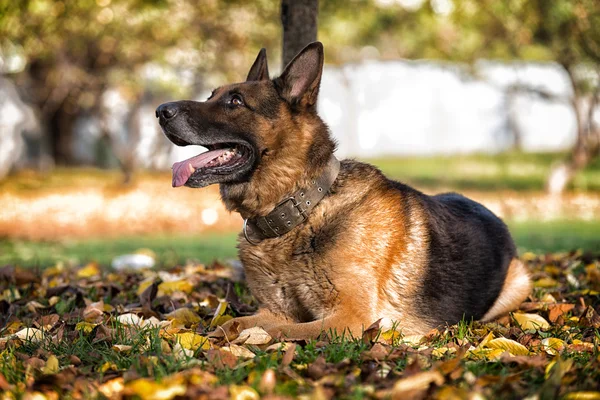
<point x="219" y="311"/>
<point x="253" y="336"/>
<point x="168" y="288"/>
<point x="239" y="351"/>
<point x="32" y="335"/>
<point x="582" y="396"/>
<point x="122" y="348"/>
<point x="514" y="348"/>
<point x="183" y="317"/>
<point x="242" y="393"/>
<point x="416" y="385"/>
<point x="531" y="321"/>
<point x="553" y="346"/>
<point x="130" y="319"/>
<point x="89" y="271"/>
<point x="557" y="310"/>
<point x="148" y="389"/>
<point x="192" y="341"/>
<point x="51" y="366"/>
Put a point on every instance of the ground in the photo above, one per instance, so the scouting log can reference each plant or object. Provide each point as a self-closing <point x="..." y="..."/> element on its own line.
<point x="72" y="326"/>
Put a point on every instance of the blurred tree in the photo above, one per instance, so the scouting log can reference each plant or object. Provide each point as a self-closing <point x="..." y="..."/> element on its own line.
<point x="75" y="50"/>
<point x="299" y="21"/>
<point x="564" y="31"/>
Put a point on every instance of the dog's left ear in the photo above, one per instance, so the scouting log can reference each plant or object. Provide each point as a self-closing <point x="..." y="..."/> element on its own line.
<point x="259" y="70"/>
<point x="299" y="82"/>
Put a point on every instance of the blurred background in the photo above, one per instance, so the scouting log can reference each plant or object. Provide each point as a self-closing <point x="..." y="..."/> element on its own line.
<point x="498" y="99"/>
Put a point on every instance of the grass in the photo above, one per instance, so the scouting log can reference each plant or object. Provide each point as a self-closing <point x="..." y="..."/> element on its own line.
<point x="85" y="354"/>
<point x="530" y="236"/>
<point x="506" y="171"/>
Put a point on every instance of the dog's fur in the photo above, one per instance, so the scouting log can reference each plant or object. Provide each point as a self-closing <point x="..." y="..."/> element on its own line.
<point x="372" y="248"/>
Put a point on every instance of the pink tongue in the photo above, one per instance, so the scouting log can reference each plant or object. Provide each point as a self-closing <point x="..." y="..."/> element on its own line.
<point x="181" y="169"/>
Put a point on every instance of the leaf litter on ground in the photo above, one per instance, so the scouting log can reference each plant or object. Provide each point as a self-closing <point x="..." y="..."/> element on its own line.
<point x="88" y="331"/>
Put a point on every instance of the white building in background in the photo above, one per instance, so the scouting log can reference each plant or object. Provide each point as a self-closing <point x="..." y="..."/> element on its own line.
<point x="380" y="108"/>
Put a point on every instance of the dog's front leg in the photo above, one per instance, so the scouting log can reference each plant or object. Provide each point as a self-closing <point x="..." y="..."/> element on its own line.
<point x="337" y="325"/>
<point x="263" y="318"/>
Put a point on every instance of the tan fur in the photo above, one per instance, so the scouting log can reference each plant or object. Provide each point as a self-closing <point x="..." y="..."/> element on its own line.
<point x="515" y="290"/>
<point x="363" y="253"/>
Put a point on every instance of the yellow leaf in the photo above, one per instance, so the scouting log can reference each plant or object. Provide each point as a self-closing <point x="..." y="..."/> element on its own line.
<point x="192" y="341"/>
<point x="553" y="346"/>
<point x="88" y="271"/>
<point x="85" y="327"/>
<point x="485" y="340"/>
<point x="51" y="366"/>
<point x="545" y="283"/>
<point x="582" y="396"/>
<point x="108" y="366"/>
<point x="218" y="321"/>
<point x="531" y="321"/>
<point x="218" y="312"/>
<point x="239" y="351"/>
<point x="145" y="284"/>
<point x="439" y="352"/>
<point x="183" y="317"/>
<point x="514" y="348"/>
<point x="150" y="390"/>
<point x="242" y="393"/>
<point x="255" y="335"/>
<point x="112" y="388"/>
<point x="168" y="288"/>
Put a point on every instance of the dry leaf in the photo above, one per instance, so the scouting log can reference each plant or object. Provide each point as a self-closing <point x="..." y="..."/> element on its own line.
<point x="130" y="319"/>
<point x="192" y="341"/>
<point x="51" y="366"/>
<point x="239" y="351"/>
<point x="148" y="389"/>
<point x="556" y="310"/>
<point x="514" y="348"/>
<point x="242" y="393"/>
<point x="89" y="271"/>
<point x="168" y="288"/>
<point x="183" y="317"/>
<point x="32" y="335"/>
<point x="553" y="346"/>
<point x="219" y="311"/>
<point x="531" y="321"/>
<point x="253" y="336"/>
<point x="122" y="348"/>
<point x="415" y="385"/>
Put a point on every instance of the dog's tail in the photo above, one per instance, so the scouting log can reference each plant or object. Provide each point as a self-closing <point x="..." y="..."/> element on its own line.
<point x="515" y="290"/>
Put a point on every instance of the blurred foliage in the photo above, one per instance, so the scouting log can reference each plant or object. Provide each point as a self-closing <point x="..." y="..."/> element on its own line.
<point x="110" y="41"/>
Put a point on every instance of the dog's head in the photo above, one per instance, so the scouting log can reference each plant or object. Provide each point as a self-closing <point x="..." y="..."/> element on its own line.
<point x="246" y="126"/>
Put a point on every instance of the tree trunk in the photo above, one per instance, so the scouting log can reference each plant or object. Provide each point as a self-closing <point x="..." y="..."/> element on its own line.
<point x="299" y="20"/>
<point x="587" y="146"/>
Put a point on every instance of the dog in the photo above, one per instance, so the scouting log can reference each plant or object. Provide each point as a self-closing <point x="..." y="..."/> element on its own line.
<point x="331" y="246"/>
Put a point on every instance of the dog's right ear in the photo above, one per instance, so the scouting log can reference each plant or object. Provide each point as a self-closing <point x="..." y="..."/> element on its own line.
<point x="259" y="70"/>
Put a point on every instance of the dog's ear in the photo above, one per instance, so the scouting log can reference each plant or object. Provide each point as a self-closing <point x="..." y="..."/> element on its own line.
<point x="300" y="80"/>
<point x="259" y="70"/>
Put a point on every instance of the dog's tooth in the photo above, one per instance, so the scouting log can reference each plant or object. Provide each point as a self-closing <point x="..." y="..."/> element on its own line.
<point x="192" y="169"/>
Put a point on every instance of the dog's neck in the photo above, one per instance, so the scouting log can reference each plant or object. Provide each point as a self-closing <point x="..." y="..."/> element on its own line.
<point x="278" y="175"/>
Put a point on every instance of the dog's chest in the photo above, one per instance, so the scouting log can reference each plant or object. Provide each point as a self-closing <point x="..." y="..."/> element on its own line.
<point x="293" y="285"/>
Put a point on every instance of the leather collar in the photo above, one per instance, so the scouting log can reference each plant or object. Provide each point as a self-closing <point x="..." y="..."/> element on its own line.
<point x="292" y="211"/>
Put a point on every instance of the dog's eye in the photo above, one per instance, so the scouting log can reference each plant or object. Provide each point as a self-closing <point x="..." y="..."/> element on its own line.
<point x="236" y="100"/>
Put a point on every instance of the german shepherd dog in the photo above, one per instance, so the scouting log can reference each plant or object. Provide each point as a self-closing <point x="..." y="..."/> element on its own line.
<point x="335" y="246"/>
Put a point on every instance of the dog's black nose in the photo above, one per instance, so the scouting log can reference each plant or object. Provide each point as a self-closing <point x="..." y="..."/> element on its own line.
<point x="166" y="111"/>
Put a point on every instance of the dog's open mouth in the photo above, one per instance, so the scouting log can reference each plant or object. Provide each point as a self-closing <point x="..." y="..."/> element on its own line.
<point x="221" y="159"/>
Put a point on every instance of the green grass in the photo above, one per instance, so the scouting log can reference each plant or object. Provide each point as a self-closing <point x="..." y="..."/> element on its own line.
<point x="169" y="250"/>
<point x="537" y="237"/>
<point x="506" y="171"/>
